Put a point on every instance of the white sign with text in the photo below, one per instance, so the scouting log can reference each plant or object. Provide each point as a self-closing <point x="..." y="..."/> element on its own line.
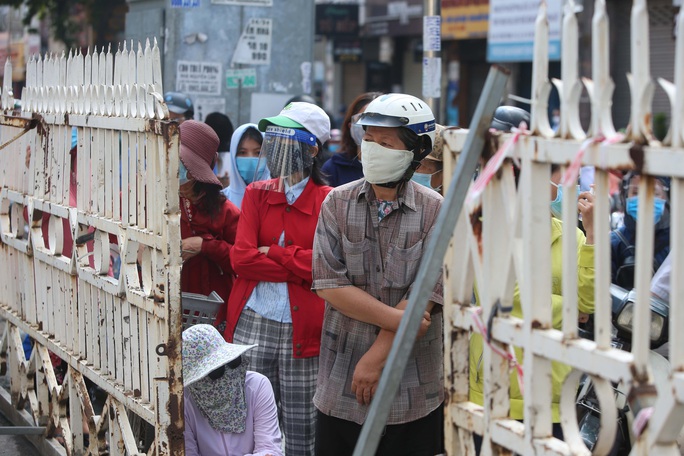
<point x="254" y="47"/>
<point x="199" y="78"/>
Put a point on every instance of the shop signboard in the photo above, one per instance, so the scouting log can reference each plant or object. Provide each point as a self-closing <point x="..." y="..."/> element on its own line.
<point x="465" y="19"/>
<point x="337" y="19"/>
<point x="511" y="30"/>
<point x="347" y="50"/>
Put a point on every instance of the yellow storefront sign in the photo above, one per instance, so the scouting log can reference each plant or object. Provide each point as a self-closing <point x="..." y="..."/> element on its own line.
<point x="465" y="19"/>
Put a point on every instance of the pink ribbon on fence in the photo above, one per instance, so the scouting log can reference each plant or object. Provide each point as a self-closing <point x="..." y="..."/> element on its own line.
<point x="510" y="355"/>
<point x="641" y="420"/>
<point x="495" y="163"/>
<point x="572" y="171"/>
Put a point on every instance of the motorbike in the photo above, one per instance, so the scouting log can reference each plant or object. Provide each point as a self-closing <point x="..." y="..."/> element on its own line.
<point x="587" y="404"/>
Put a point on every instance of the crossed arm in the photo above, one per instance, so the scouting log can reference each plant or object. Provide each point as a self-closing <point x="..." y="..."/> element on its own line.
<point x="359" y="305"/>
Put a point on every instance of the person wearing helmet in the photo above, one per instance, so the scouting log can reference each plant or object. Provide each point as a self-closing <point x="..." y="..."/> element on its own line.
<point x="370" y="238"/>
<point x="180" y="106"/>
<point x="505" y="119"/>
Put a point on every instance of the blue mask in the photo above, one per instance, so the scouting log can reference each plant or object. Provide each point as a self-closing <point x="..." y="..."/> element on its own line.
<point x="557" y="204"/>
<point x="182" y="174"/>
<point x="247" y="167"/>
<point x="333" y="148"/>
<point x="632" y="208"/>
<point x="424" y="179"/>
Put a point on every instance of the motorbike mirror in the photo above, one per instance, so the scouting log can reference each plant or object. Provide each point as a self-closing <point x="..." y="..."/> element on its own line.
<point x="623" y="315"/>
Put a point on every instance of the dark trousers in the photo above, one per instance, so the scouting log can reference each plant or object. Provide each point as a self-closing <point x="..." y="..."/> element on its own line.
<point x="423" y="437"/>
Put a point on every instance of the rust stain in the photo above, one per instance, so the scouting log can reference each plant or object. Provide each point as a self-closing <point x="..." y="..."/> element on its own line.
<point x="502" y="69"/>
<point x="476" y="226"/>
<point x="536" y="324"/>
<point x="489" y="147"/>
<point x="175" y="430"/>
<point x="172" y="347"/>
<point x="640" y="378"/>
<point x="454" y="334"/>
<point x="137" y="393"/>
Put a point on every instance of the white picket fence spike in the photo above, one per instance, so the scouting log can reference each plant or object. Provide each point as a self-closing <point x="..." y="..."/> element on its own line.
<point x="541" y="87"/>
<point x="570" y="126"/>
<point x="676" y="128"/>
<point x="641" y="85"/>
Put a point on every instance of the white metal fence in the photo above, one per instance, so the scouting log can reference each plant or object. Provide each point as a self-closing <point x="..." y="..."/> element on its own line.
<point x="116" y="325"/>
<point x="507" y="244"/>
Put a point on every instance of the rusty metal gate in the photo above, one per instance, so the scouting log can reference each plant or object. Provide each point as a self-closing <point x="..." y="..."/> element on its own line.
<point x="504" y="245"/>
<point x="90" y="253"/>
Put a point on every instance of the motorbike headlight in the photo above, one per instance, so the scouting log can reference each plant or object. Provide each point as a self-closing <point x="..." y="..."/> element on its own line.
<point x="626" y="319"/>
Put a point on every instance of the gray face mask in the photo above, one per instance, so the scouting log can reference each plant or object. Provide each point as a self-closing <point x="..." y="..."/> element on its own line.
<point x="357" y="133"/>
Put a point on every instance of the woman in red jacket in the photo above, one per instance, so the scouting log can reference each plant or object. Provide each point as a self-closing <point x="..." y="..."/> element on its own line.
<point x="208" y="220"/>
<point x="271" y="303"/>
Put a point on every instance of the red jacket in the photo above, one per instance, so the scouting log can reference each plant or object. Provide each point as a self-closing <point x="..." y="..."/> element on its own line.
<point x="210" y="270"/>
<point x="265" y="214"/>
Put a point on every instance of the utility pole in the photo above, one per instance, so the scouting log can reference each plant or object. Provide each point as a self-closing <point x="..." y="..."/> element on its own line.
<point x="432" y="55"/>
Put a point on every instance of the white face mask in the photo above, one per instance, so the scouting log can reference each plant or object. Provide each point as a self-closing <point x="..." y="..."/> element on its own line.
<point x="382" y="165"/>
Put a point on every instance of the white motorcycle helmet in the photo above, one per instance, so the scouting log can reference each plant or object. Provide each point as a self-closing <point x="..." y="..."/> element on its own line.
<point x="401" y="110"/>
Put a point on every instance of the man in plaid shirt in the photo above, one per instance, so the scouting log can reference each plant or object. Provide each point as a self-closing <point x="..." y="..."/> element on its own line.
<point x="368" y="246"/>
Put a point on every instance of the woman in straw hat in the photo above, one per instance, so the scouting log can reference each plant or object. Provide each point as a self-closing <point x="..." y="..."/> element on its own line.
<point x="228" y="409"/>
<point x="208" y="220"/>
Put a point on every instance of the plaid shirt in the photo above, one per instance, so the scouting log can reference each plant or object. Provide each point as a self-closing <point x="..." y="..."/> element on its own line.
<point x="353" y="248"/>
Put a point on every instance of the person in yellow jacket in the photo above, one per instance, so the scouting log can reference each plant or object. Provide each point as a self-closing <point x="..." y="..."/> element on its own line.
<point x="585" y="302"/>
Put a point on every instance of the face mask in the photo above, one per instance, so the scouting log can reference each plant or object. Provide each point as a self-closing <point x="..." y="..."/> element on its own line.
<point x="333" y="148"/>
<point x="247" y="168"/>
<point x="557" y="204"/>
<point x="632" y="208"/>
<point x="182" y="174"/>
<point x="425" y="180"/>
<point x="382" y="165"/>
<point x="357" y="133"/>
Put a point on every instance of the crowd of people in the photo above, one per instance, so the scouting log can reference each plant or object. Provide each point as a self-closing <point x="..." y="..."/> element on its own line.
<point x="314" y="258"/>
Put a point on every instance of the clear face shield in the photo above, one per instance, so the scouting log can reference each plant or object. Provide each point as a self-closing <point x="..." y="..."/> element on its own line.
<point x="288" y="154"/>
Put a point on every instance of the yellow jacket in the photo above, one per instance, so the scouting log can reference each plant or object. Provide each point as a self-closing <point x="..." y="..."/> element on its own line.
<point x="585" y="297"/>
